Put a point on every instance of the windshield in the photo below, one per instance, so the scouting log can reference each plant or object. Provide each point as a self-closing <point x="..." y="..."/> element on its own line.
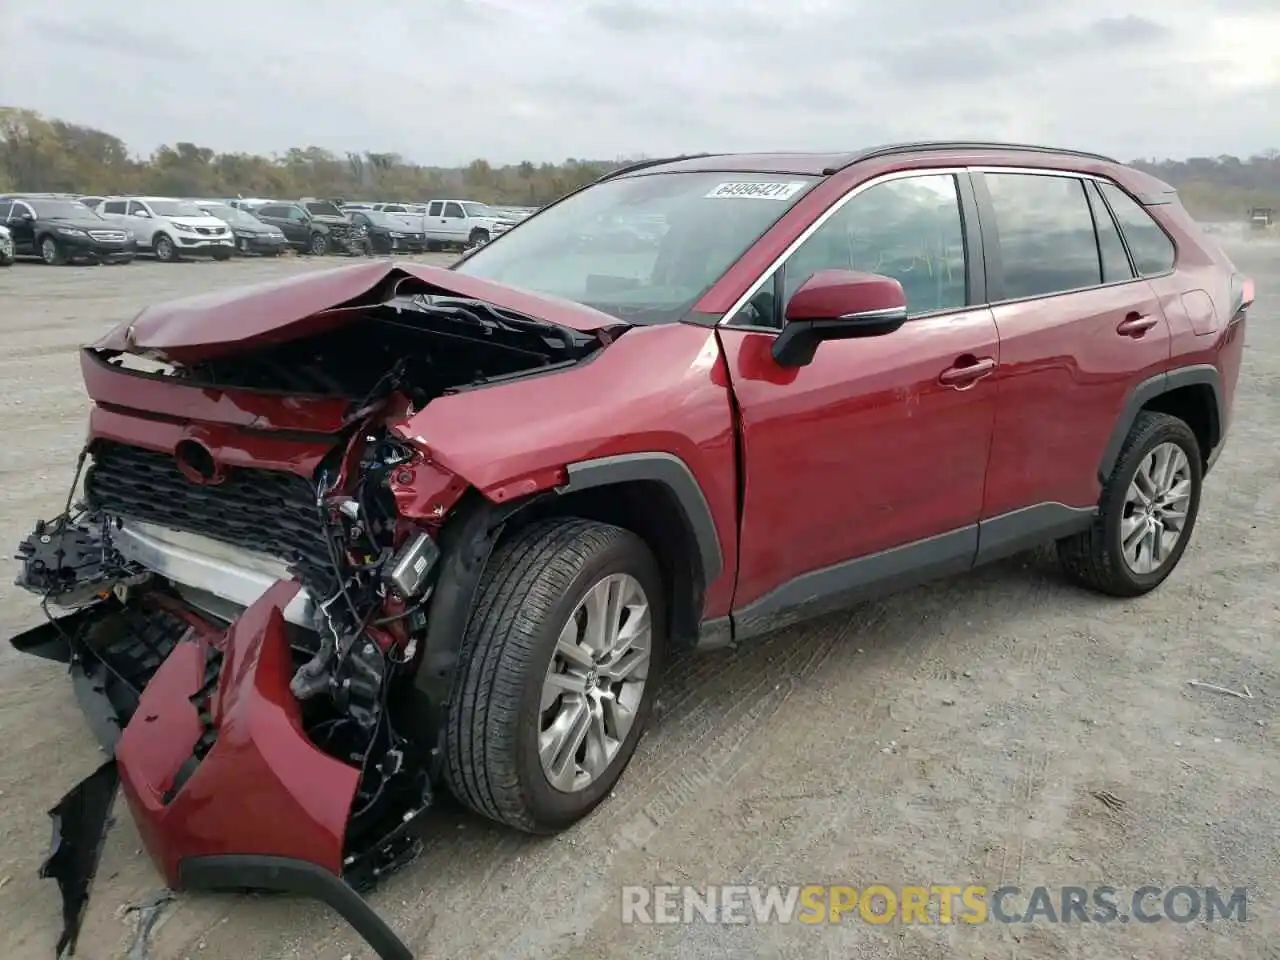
<point x="643" y="248"/>
<point x="384" y="220"/>
<point x="61" y="210"/>
<point x="175" y="208"/>
<point x="478" y="210"/>
<point x="321" y="208"/>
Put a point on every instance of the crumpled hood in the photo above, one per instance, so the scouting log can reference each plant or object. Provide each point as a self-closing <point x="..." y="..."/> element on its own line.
<point x="226" y="322"/>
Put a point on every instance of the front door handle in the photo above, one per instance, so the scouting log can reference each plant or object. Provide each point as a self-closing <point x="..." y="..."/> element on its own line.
<point x="1136" y="325"/>
<point x="967" y="371"/>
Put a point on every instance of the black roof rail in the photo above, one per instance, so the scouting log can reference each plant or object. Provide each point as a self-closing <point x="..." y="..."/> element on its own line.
<point x="889" y="149"/>
<point x="652" y="162"/>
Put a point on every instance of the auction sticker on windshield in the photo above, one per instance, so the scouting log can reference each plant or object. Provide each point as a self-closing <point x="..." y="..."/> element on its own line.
<point x="756" y="191"/>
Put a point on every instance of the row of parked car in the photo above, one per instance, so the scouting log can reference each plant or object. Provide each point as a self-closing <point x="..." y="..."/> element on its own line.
<point x="60" y="228"/>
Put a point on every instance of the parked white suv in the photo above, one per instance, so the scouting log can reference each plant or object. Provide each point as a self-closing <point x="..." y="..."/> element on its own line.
<point x="465" y="223"/>
<point x="169" y="228"/>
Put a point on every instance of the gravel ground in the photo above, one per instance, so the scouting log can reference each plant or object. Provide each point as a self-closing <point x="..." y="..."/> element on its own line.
<point x="953" y="734"/>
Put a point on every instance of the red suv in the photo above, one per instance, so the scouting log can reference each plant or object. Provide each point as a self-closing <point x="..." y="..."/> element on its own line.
<point x="381" y="527"/>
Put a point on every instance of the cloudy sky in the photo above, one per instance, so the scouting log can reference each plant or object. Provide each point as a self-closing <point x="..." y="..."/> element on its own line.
<point x="444" y="81"/>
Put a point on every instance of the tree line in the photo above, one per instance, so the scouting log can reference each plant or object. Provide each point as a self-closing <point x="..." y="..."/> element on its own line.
<point x="39" y="153"/>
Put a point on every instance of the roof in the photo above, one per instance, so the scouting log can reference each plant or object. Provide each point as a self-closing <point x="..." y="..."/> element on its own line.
<point x="826" y="163"/>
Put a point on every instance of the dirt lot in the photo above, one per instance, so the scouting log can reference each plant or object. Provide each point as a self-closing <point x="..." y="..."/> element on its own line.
<point x="954" y="734"/>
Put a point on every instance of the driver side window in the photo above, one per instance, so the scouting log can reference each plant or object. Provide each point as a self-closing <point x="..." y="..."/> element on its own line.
<point x="909" y="229"/>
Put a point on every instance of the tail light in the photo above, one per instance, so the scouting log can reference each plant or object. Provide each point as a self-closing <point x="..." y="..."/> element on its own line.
<point x="1242" y="294"/>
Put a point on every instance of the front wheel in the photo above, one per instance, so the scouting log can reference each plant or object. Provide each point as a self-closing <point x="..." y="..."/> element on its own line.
<point x="165" y="249"/>
<point x="1146" y="513"/>
<point x="51" y="252"/>
<point x="556" y="675"/>
<point x="319" y="245"/>
<point x="478" y="238"/>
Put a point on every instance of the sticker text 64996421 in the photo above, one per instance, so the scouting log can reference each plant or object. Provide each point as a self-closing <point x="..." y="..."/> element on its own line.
<point x="755" y="191"/>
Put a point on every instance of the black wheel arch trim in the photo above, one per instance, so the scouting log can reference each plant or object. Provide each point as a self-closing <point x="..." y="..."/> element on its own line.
<point x="1200" y="374"/>
<point x="669" y="471"/>
<point x="298" y="877"/>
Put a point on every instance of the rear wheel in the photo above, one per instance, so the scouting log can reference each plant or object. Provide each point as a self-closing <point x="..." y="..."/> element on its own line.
<point x="1146" y="513"/>
<point x="556" y="674"/>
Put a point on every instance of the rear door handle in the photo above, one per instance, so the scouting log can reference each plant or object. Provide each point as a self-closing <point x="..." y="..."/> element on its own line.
<point x="967" y="373"/>
<point x="1136" y="325"/>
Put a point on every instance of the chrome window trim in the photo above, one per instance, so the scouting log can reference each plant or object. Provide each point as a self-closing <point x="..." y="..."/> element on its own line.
<point x="826" y="215"/>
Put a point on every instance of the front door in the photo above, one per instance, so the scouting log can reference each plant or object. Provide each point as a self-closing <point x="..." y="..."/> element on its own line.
<point x="454" y="223"/>
<point x="865" y="467"/>
<point x="20" y="226"/>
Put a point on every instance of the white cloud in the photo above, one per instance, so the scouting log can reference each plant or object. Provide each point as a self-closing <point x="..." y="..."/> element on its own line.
<point x="443" y="82"/>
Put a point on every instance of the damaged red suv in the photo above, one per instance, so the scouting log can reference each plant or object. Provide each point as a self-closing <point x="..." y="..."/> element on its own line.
<point x="353" y="536"/>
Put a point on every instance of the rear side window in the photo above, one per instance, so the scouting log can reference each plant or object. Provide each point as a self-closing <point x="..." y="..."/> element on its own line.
<point x="1115" y="260"/>
<point x="434" y="209"/>
<point x="6" y="207"/>
<point x="1046" y="239"/>
<point x="114" y="206"/>
<point x="1153" y="251"/>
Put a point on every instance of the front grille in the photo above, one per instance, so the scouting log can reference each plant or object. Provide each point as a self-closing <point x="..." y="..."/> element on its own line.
<point x="108" y="236"/>
<point x="269" y="511"/>
<point x="210" y="231"/>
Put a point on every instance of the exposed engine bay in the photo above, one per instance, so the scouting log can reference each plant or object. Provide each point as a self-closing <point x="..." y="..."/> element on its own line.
<point x="188" y="557"/>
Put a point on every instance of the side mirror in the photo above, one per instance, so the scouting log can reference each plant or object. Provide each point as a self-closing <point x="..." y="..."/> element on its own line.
<point x="838" y="305"/>
<point x="142" y="213"/>
<point x="25" y="215"/>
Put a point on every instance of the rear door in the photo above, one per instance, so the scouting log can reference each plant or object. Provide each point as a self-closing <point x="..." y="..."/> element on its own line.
<point x="1078" y="329"/>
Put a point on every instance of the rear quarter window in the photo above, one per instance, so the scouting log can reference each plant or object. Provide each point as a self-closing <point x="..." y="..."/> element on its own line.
<point x="1152" y="251"/>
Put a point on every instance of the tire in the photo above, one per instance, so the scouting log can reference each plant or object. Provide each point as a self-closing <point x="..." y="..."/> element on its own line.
<point x="6" y="260"/>
<point x="165" y="249"/>
<point x="434" y="246"/>
<point x="1096" y="558"/>
<point x="534" y="582"/>
<point x="478" y="237"/>
<point x="318" y="245"/>
<point x="51" y="251"/>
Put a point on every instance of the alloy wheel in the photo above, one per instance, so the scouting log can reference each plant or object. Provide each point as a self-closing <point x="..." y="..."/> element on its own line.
<point x="1155" y="508"/>
<point x="595" y="682"/>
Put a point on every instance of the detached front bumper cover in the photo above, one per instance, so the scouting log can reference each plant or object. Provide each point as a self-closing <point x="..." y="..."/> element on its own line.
<point x="230" y="821"/>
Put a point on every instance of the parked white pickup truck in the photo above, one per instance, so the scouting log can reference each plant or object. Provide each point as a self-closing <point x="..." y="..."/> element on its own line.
<point x="463" y="223"/>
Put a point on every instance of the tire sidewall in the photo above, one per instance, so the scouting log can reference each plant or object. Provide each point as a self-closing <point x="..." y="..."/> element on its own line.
<point x="551" y="807"/>
<point x="1170" y="432"/>
<point x="162" y="243"/>
<point x="54" y="260"/>
<point x="318" y="245"/>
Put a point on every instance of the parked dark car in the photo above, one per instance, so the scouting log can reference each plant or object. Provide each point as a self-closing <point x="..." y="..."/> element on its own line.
<point x="388" y="233"/>
<point x="64" y="231"/>
<point x="316" y="227"/>
<point x="252" y="235"/>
